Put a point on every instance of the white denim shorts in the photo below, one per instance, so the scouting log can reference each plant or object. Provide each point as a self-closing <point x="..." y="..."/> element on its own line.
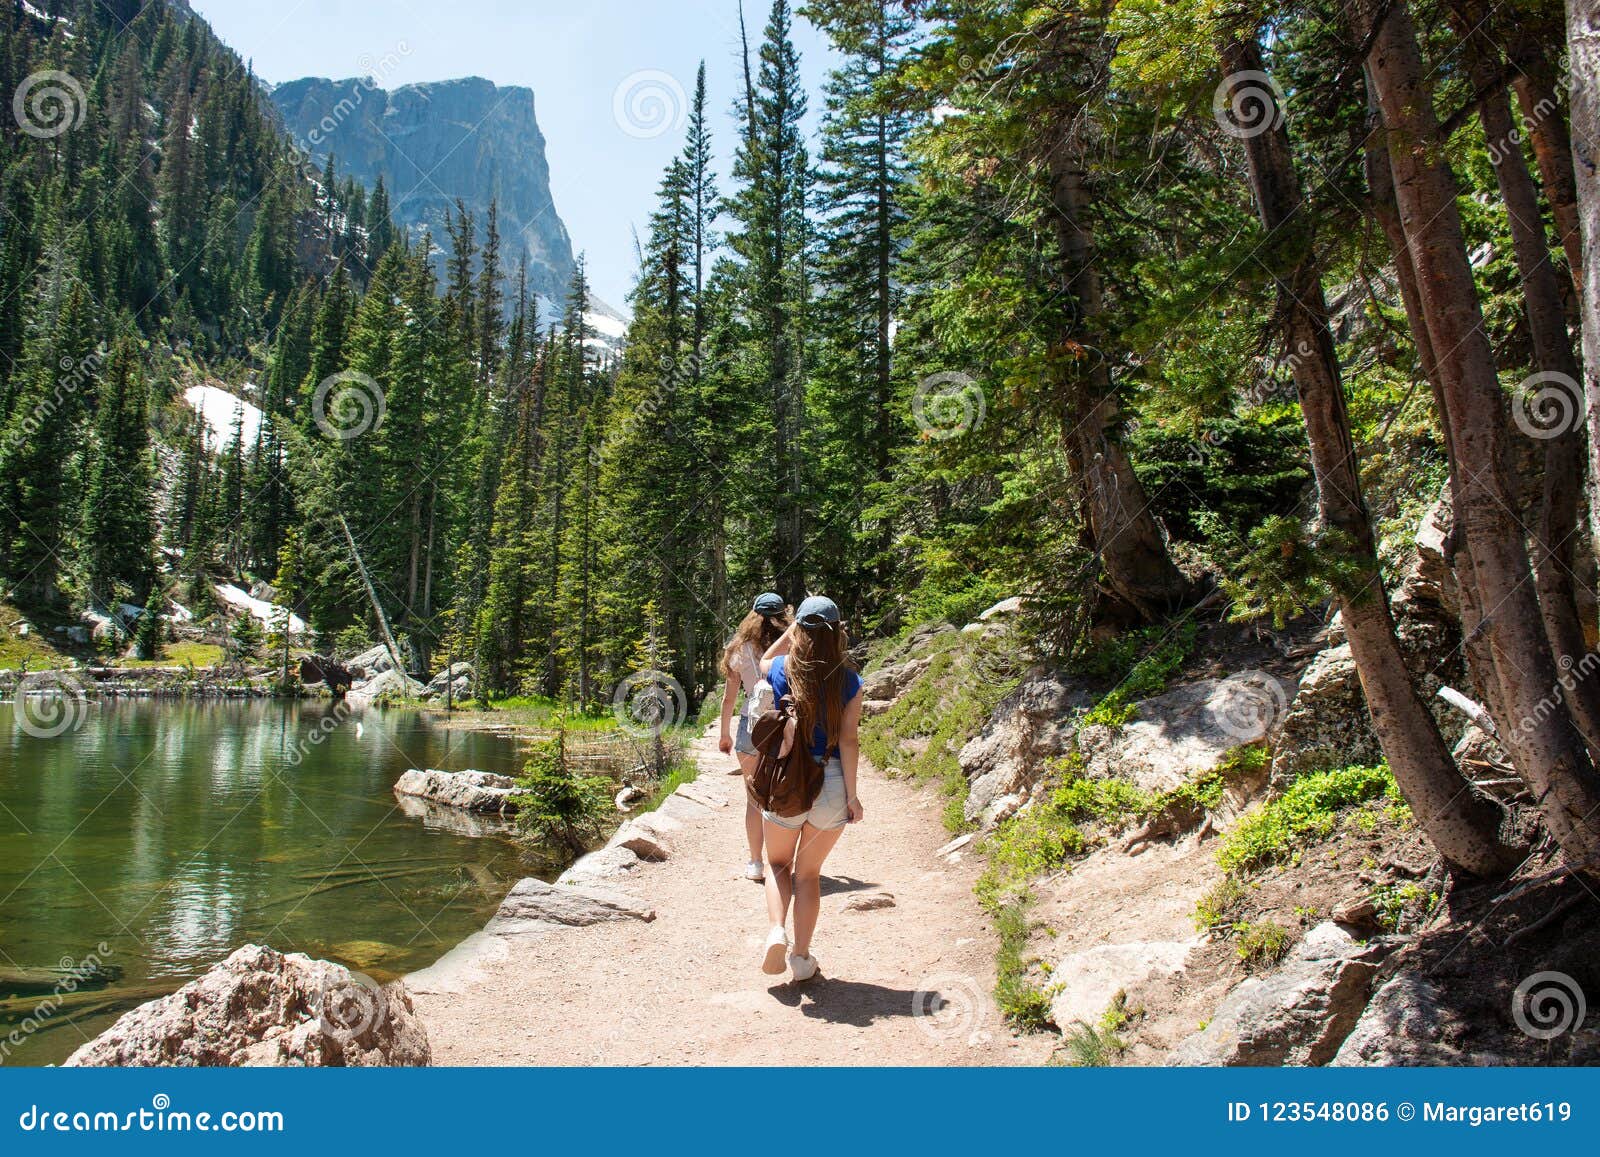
<point x="829" y="813"/>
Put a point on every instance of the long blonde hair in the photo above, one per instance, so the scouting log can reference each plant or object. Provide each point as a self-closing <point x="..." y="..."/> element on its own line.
<point x="758" y="632"/>
<point x="816" y="669"/>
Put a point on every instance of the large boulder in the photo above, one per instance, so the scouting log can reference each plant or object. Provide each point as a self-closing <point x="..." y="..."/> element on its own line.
<point x="390" y="684"/>
<point x="1298" y="1014"/>
<point x="1408" y="1022"/>
<point x="534" y="906"/>
<point x="473" y="791"/>
<point x="601" y="867"/>
<point x="374" y="660"/>
<point x="456" y="678"/>
<point x="262" y="1007"/>
<point x="1184" y="732"/>
<point x="882" y="687"/>
<point x="1028" y="728"/>
<point x="1085" y="983"/>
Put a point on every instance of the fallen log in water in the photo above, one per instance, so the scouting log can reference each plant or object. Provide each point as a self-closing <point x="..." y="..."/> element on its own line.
<point x="26" y="981"/>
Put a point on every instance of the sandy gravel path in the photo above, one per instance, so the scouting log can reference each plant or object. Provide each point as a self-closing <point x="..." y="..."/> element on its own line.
<point x="901" y="985"/>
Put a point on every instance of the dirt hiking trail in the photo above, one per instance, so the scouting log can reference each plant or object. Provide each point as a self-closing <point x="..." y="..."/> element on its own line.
<point x="907" y="984"/>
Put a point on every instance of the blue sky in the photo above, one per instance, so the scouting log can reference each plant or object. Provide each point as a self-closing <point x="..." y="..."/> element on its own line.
<point x="575" y="55"/>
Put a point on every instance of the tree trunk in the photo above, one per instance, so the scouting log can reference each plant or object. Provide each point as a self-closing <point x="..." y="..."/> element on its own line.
<point x="1534" y="80"/>
<point x="1463" y="824"/>
<point x="1123" y="532"/>
<point x="1583" y="61"/>
<point x="1557" y="522"/>
<point x="1538" y="730"/>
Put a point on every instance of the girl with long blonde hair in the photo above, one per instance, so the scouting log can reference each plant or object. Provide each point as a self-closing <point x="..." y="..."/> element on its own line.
<point x="766" y="623"/>
<point x="811" y="664"/>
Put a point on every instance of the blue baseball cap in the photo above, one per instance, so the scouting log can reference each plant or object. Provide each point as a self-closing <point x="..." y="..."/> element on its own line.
<point x="818" y="611"/>
<point x="768" y="604"/>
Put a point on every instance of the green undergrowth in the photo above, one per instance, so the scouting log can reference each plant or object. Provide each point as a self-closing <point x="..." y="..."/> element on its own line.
<point x="1097" y="1045"/>
<point x="1140" y="663"/>
<point x="1023" y="1004"/>
<point x="1278" y="831"/>
<point x="1080" y="812"/>
<point x="921" y="736"/>
<point x="683" y="770"/>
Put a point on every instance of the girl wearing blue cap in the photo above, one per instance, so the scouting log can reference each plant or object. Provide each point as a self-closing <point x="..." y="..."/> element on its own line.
<point x="741" y="671"/>
<point x="811" y="664"/>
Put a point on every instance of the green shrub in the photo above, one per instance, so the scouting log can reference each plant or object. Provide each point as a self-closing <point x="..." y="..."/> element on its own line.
<point x="1020" y="1001"/>
<point x="1160" y="657"/>
<point x="555" y="806"/>
<point x="1214" y="911"/>
<point x="1308" y="810"/>
<point x="1263" y="943"/>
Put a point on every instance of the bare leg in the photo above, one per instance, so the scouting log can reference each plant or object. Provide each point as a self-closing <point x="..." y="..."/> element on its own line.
<point x="752" y="814"/>
<point x="781" y="844"/>
<point x="813" y="850"/>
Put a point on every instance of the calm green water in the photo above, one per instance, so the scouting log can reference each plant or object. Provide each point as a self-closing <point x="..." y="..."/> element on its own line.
<point x="174" y="832"/>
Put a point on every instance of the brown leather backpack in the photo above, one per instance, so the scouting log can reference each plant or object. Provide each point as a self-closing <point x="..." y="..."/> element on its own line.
<point x="787" y="779"/>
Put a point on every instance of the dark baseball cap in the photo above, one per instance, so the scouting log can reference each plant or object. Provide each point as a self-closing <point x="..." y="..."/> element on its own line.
<point x="818" y="611"/>
<point x="768" y="604"/>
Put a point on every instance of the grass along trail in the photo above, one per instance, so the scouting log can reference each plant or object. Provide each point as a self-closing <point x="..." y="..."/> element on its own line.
<point x="687" y="987"/>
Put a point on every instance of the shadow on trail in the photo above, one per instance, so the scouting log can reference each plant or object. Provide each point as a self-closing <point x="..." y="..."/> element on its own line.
<point x="852" y="1002"/>
<point x="832" y="885"/>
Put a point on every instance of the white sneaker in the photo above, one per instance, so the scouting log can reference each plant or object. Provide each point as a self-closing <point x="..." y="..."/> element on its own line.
<point x="803" y="967"/>
<point x="777" y="948"/>
<point x="754" y="871"/>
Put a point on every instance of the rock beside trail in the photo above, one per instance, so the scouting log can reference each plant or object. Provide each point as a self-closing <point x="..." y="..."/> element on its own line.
<point x="1409" y="1023"/>
<point x="1028" y="728"/>
<point x="1299" y="1014"/>
<point x="533" y="906"/>
<point x="1085" y="983"/>
<point x="1184" y="732"/>
<point x="262" y="1007"/>
<point x="648" y="836"/>
<point x="601" y="867"/>
<point x="473" y="791"/>
<point x="868" y="902"/>
<point x="882" y="687"/>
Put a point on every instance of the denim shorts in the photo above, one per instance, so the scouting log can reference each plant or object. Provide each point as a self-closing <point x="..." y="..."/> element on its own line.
<point x="742" y="742"/>
<point x="829" y="813"/>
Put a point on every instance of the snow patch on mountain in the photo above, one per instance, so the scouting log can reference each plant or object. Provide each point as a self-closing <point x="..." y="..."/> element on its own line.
<point x="219" y="410"/>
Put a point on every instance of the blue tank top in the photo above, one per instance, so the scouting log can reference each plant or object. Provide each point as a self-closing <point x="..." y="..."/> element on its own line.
<point x="779" y="678"/>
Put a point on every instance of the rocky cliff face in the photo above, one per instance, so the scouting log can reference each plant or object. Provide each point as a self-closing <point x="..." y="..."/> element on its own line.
<point x="433" y="143"/>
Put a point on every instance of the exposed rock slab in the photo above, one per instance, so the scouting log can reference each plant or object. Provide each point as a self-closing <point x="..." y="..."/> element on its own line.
<point x="648" y="836"/>
<point x="1184" y="732"/>
<point x="1299" y="1014"/>
<point x="600" y="867"/>
<point x="262" y="1007"/>
<point x="1028" y="728"/>
<point x="1409" y="1023"/>
<point x="473" y="791"/>
<point x="533" y="906"/>
<point x="1085" y="983"/>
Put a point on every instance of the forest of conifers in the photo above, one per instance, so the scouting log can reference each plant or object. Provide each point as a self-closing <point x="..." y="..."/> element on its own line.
<point x="1113" y="305"/>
